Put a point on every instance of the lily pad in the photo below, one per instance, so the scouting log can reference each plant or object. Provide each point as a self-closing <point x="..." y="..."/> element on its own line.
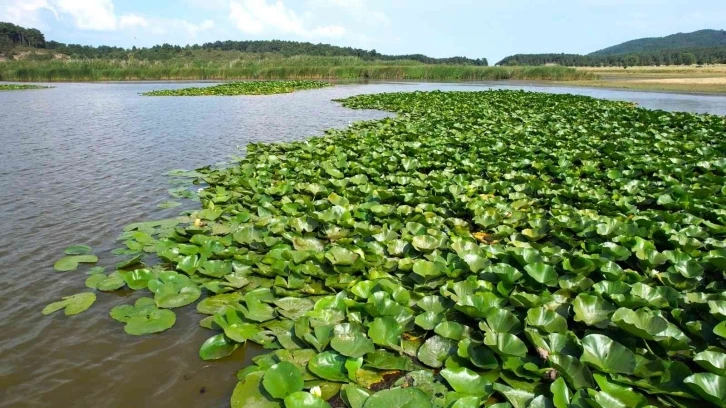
<point x="70" y="263"/>
<point x="73" y="304"/>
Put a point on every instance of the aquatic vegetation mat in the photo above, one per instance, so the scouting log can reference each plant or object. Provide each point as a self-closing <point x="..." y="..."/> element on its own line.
<point x="17" y="87"/>
<point x="243" y="88"/>
<point x="501" y="248"/>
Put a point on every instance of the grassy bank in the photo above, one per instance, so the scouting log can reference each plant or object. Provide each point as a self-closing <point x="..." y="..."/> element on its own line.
<point x="292" y="68"/>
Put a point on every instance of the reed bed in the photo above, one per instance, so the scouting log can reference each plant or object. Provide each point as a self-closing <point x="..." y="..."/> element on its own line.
<point x="329" y="68"/>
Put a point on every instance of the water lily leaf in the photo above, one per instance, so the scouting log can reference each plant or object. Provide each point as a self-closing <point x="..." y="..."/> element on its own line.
<point x="425" y="243"/>
<point x="561" y="395"/>
<point x="465" y="381"/>
<point x="518" y="398"/>
<point x="217" y="347"/>
<point x="542" y="273"/>
<point x="249" y="393"/>
<point x="308" y="244"/>
<point x="350" y="341"/>
<point x="410" y="397"/>
<point x="642" y="323"/>
<point x="467" y="402"/>
<point x="292" y="308"/>
<point x="73" y="304"/>
<point x="712" y="361"/>
<point x="234" y="328"/>
<point x="219" y="303"/>
<point x="385" y="331"/>
<point x="283" y="379"/>
<point x="436" y="350"/>
<point x="547" y="320"/>
<point x="70" y="263"/>
<point x="106" y="283"/>
<point x="353" y="396"/>
<point x="506" y="344"/>
<point x="172" y="290"/>
<point x="143" y="317"/>
<point x="79" y="250"/>
<point x="305" y="400"/>
<point x="341" y="256"/>
<point x="720" y="329"/>
<point x="451" y="330"/>
<point x="129" y="262"/>
<point x="615" y="395"/>
<point x="606" y="355"/>
<point x="329" y="365"/>
<point x="592" y="310"/>
<point x="573" y="371"/>
<point x="137" y="279"/>
<point x="426" y="269"/>
<point x="710" y="386"/>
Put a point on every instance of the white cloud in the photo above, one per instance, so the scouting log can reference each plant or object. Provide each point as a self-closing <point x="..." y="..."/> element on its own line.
<point x="191" y="28"/>
<point x="359" y="10"/>
<point x="257" y="17"/>
<point x="25" y="13"/>
<point x="95" y="15"/>
<point x="329" y="31"/>
<point x="132" y="21"/>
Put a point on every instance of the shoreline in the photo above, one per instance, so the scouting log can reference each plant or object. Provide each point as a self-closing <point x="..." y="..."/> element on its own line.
<point x="682" y="89"/>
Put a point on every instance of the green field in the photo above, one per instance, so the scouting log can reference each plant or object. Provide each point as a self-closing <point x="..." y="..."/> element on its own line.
<point x="481" y="247"/>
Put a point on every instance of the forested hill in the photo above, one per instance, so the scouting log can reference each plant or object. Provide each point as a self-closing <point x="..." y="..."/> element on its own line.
<point x="696" y="39"/>
<point x="699" y="47"/>
<point x="13" y="36"/>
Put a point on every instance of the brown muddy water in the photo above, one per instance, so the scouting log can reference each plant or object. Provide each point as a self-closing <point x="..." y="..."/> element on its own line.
<point x="79" y="162"/>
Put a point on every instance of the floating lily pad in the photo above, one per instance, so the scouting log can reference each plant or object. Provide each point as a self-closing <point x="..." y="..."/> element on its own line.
<point x="73" y="304"/>
<point x="70" y="263"/>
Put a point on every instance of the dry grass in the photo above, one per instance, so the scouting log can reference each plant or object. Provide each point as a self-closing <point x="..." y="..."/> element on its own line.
<point x="686" y="79"/>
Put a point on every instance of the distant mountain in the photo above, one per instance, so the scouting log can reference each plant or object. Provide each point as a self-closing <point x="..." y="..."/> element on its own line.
<point x="696" y="39"/>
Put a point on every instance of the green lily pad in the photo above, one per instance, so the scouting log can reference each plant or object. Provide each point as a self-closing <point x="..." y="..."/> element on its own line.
<point x="282" y="380"/>
<point x="173" y="290"/>
<point x="73" y="304"/>
<point x="70" y="263"/>
<point x="143" y="317"/>
<point x="79" y="250"/>
<point x="398" y="397"/>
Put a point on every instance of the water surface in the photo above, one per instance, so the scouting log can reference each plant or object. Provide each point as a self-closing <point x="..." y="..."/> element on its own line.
<point x="79" y="162"/>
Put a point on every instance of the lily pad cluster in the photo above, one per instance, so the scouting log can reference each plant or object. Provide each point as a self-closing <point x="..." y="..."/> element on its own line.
<point x="75" y="255"/>
<point x="498" y="248"/>
<point x="243" y="88"/>
<point x="21" y="87"/>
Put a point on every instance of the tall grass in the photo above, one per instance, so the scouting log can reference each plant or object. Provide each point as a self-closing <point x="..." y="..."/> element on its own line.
<point x="343" y="68"/>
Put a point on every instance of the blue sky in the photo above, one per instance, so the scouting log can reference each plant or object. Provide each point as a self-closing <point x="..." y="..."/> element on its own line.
<point x="483" y="28"/>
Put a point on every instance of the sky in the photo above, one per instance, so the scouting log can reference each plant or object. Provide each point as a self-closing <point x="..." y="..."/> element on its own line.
<point x="491" y="29"/>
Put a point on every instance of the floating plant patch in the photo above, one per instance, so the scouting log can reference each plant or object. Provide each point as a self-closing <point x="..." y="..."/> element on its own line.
<point x="498" y="248"/>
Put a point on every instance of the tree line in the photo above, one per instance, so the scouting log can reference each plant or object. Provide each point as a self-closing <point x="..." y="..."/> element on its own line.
<point x="683" y="56"/>
<point x="16" y="35"/>
<point x="12" y="35"/>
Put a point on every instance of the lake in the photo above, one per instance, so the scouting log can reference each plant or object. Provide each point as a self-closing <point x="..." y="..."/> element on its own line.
<point x="79" y="162"/>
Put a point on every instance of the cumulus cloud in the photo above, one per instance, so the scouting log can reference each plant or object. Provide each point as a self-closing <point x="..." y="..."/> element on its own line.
<point x="89" y="14"/>
<point x="257" y="17"/>
<point x="359" y="10"/>
<point x="95" y="15"/>
<point x="25" y="13"/>
<point x="132" y="21"/>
